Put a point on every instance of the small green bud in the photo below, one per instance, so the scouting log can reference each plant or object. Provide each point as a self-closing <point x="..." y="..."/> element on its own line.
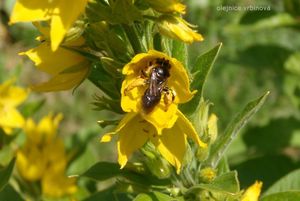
<point x="201" y="118"/>
<point x="174" y="192"/>
<point x="207" y="175"/>
<point x="76" y="31"/>
<point x="212" y="128"/>
<point x="111" y="66"/>
<point x="159" y="167"/>
<point x="136" y="167"/>
<point x="202" y="153"/>
<point x="156" y="164"/>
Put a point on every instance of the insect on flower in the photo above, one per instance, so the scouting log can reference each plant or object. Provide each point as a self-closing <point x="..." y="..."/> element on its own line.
<point x="154" y="76"/>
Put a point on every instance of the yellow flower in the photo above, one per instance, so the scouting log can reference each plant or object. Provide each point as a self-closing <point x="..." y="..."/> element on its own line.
<point x="134" y="132"/>
<point x="167" y="6"/>
<point x="58" y="185"/>
<point x="163" y="115"/>
<point x="10" y="97"/>
<point x="252" y="193"/>
<point x="177" y="28"/>
<point x="67" y="68"/>
<point x="43" y="157"/>
<point x="61" y="14"/>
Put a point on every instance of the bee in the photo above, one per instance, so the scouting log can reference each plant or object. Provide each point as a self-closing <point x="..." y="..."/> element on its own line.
<point x="155" y="76"/>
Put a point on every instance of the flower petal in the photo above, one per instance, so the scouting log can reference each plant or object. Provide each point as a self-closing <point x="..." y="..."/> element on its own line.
<point x="62" y="81"/>
<point x="161" y="118"/>
<point x="64" y="15"/>
<point x="252" y="193"/>
<point x="29" y="167"/>
<point x="33" y="10"/>
<point x="131" y="101"/>
<point x="188" y="129"/>
<point x="172" y="146"/>
<point x="53" y="62"/>
<point x="132" y="137"/>
<point x="126" y="119"/>
<point x="12" y="96"/>
<point x="179" y="82"/>
<point x="11" y="118"/>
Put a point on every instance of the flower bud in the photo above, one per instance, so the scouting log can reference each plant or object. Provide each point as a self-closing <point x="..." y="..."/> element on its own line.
<point x="159" y="167"/>
<point x="207" y="175"/>
<point x="75" y="32"/>
<point x="156" y="164"/>
<point x="202" y="153"/>
<point x="212" y="128"/>
<point x="177" y="28"/>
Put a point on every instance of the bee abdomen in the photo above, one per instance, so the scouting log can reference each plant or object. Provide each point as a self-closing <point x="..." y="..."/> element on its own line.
<point x="149" y="101"/>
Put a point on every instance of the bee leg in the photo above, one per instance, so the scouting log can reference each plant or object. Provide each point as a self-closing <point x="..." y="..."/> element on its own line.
<point x="145" y="73"/>
<point x="135" y="83"/>
<point x="169" y="97"/>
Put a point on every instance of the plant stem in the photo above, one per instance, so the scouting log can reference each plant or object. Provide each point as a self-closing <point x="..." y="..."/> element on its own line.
<point x="134" y="38"/>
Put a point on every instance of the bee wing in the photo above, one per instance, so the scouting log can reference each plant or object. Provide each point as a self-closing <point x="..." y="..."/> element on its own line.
<point x="153" y="85"/>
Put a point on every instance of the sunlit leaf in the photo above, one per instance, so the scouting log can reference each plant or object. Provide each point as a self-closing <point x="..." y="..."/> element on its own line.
<point x="200" y="72"/>
<point x="283" y="196"/>
<point x="179" y="51"/>
<point x="290" y="182"/>
<point x="233" y="129"/>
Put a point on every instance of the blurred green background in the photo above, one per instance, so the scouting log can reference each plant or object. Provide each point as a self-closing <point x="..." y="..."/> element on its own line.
<point x="261" y="52"/>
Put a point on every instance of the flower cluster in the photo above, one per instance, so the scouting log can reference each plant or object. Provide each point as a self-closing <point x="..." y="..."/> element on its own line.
<point x="43" y="157"/>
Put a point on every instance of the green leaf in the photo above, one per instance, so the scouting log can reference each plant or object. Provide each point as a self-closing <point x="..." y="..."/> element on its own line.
<point x="289" y="182"/>
<point x="124" y="12"/>
<point x="274" y="21"/>
<point x="292" y="7"/>
<point x="106" y="170"/>
<point x="179" y="51"/>
<point x="102" y="171"/>
<point x="163" y="197"/>
<point x="28" y="109"/>
<point x="283" y="196"/>
<point x="99" y="11"/>
<point x="225" y="187"/>
<point x="5" y="174"/>
<point x="142" y="197"/>
<point x="9" y="194"/>
<point x="105" y="195"/>
<point x="233" y="129"/>
<point x="227" y="183"/>
<point x="292" y="64"/>
<point x="104" y="81"/>
<point x="200" y="72"/>
<point x="266" y="168"/>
